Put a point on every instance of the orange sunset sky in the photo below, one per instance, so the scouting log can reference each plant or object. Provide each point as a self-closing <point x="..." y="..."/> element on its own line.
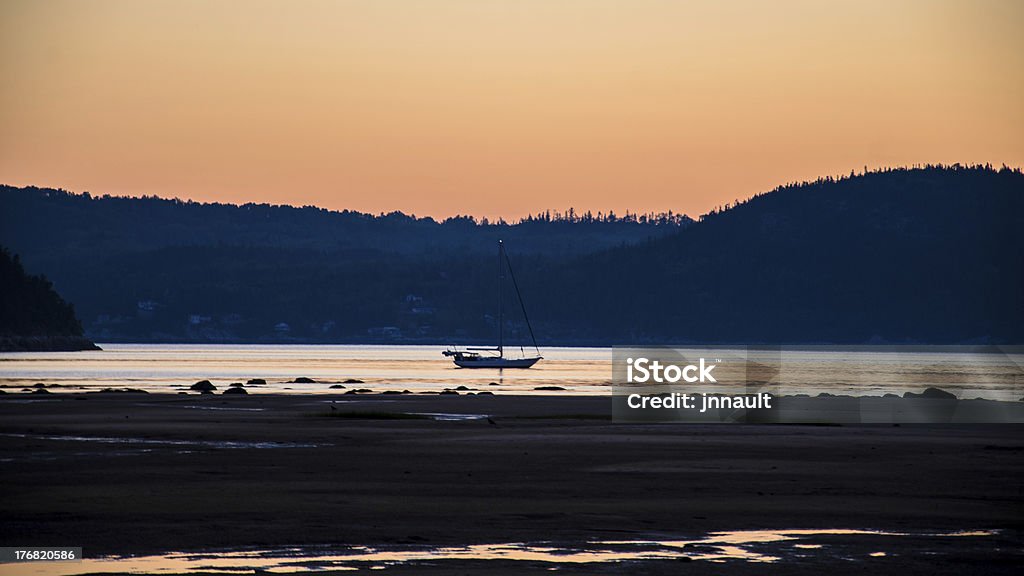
<point x="499" y="108"/>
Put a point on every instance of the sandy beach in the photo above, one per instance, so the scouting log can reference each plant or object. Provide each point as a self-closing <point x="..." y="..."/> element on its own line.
<point x="149" y="474"/>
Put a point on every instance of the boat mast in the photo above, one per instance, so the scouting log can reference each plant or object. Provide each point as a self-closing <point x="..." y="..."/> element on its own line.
<point x="501" y="307"/>
<point x="522" y="305"/>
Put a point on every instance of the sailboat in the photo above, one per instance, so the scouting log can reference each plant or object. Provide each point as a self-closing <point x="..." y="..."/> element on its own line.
<point x="473" y="357"/>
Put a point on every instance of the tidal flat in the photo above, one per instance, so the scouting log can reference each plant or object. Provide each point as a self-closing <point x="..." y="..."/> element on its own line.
<point x="497" y="484"/>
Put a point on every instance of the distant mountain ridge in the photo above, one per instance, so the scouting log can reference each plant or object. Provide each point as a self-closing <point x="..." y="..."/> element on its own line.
<point x="925" y="255"/>
<point x="931" y="255"/>
<point x="136" y="224"/>
<point x="171" y="270"/>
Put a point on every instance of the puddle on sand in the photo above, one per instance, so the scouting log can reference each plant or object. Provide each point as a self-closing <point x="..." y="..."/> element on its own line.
<point x="444" y="417"/>
<point x="751" y="545"/>
<point x="220" y="408"/>
<point x="743" y="546"/>
<point x="229" y="444"/>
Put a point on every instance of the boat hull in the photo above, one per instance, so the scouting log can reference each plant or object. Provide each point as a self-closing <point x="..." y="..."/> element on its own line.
<point x="496" y="362"/>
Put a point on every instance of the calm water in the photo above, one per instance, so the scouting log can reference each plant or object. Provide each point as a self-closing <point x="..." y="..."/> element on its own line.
<point x="171" y="367"/>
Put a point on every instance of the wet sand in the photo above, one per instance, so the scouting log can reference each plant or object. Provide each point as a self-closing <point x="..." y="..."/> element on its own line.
<point x="145" y="474"/>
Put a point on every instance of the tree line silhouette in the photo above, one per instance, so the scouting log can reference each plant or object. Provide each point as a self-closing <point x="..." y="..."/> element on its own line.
<point x="916" y="254"/>
<point x="32" y="314"/>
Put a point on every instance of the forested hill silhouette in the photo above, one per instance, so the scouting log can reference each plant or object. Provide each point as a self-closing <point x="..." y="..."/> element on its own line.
<point x="158" y="269"/>
<point x="934" y="254"/>
<point x="32" y="315"/>
<point x="930" y="255"/>
<point x="117" y="225"/>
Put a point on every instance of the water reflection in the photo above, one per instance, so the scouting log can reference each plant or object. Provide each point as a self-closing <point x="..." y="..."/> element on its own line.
<point x="758" y="546"/>
<point x="445" y="417"/>
<point x="858" y="371"/>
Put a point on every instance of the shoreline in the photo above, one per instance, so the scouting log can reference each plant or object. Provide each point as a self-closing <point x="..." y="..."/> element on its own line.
<point x="625" y="406"/>
<point x="47" y="344"/>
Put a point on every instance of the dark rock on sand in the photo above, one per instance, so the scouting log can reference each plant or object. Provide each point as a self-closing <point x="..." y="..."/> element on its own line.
<point x="890" y="395"/>
<point x="236" y="384"/>
<point x="449" y="391"/>
<point x="353" y="381"/>
<point x="253" y="381"/>
<point x="492" y="383"/>
<point x="235" y="390"/>
<point x="41" y="391"/>
<point x="392" y="392"/>
<point x="463" y="388"/>
<point x="39" y="385"/>
<point x="485" y="392"/>
<point x="203" y="386"/>
<point x="933" y="393"/>
<point x="938" y="393"/>
<point x="337" y="386"/>
<point x="551" y="388"/>
<point x="303" y="380"/>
